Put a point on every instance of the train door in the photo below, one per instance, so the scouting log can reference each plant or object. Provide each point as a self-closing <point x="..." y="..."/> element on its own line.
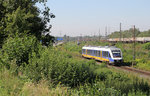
<point x="98" y="53"/>
<point x="105" y="56"/>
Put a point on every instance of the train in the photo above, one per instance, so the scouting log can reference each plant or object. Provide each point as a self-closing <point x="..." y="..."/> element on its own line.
<point x="109" y="54"/>
<point x="128" y="40"/>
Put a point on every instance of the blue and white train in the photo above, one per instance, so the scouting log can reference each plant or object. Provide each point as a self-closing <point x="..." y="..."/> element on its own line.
<point x="109" y="54"/>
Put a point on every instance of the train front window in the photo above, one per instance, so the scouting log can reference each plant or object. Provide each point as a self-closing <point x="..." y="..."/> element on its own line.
<point x="116" y="53"/>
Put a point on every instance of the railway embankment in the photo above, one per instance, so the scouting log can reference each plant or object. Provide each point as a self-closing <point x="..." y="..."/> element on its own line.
<point x="138" y="72"/>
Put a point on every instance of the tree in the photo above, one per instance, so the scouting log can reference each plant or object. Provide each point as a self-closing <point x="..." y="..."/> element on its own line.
<point x="47" y="39"/>
<point x="2" y="12"/>
<point x="125" y="33"/>
<point x="22" y="16"/>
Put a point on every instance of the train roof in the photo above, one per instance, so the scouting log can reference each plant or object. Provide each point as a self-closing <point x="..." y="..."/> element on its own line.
<point x="106" y="48"/>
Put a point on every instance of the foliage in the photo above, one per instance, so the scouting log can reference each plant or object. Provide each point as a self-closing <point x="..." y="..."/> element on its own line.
<point x="9" y="84"/>
<point x="125" y="33"/>
<point x="97" y="89"/>
<point x="143" y="64"/>
<point x="58" y="67"/>
<point x="44" y="89"/>
<point x="116" y="84"/>
<point x="18" y="22"/>
<point x="19" y="49"/>
<point x="22" y="16"/>
<point x="129" y="33"/>
<point x="127" y="50"/>
<point x="106" y="79"/>
<point x="47" y="40"/>
<point x="147" y="46"/>
<point x="144" y="34"/>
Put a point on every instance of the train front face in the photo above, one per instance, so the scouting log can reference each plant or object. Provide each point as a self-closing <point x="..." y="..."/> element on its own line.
<point x="116" y="55"/>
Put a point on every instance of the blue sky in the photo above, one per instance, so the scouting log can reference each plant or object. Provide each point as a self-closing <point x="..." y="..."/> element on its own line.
<point x="85" y="17"/>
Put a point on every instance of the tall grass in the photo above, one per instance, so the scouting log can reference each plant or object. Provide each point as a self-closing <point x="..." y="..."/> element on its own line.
<point x="57" y="66"/>
<point x="10" y="85"/>
<point x="52" y="72"/>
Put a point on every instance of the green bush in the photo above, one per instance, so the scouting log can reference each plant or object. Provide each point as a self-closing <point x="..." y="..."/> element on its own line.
<point x="19" y="49"/>
<point x="58" y="67"/>
<point x="116" y="84"/>
<point x="10" y="85"/>
<point x="147" y="46"/>
<point x="97" y="89"/>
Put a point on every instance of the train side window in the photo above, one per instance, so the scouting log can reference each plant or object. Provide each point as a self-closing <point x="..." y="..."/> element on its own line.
<point x="105" y="54"/>
<point x="98" y="53"/>
<point x="95" y="53"/>
<point x="88" y="52"/>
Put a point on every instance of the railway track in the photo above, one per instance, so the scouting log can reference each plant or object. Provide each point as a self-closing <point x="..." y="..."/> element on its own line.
<point x="127" y="69"/>
<point x="140" y="73"/>
<point x="137" y="72"/>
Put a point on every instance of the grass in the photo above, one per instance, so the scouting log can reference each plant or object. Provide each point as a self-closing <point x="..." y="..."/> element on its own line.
<point x="142" y="53"/>
<point x="55" y="72"/>
<point x="11" y="85"/>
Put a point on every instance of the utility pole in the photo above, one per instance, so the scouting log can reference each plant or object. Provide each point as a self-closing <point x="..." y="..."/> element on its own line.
<point x="99" y="34"/>
<point x="133" y="45"/>
<point x="80" y="37"/>
<point x="120" y="31"/>
<point x="91" y="36"/>
<point x="106" y="33"/>
<point x="94" y="36"/>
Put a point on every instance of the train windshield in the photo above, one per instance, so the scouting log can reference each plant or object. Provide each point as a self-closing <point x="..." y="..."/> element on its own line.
<point x="116" y="53"/>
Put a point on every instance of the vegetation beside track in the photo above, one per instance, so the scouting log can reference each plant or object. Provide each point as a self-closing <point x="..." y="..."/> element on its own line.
<point x="142" y="52"/>
<point x="54" y="71"/>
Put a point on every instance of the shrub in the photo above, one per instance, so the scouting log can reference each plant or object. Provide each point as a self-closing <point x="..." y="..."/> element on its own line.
<point x="147" y="46"/>
<point x="9" y="84"/>
<point x="56" y="66"/>
<point x="97" y="89"/>
<point x="19" y="49"/>
<point x="43" y="88"/>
